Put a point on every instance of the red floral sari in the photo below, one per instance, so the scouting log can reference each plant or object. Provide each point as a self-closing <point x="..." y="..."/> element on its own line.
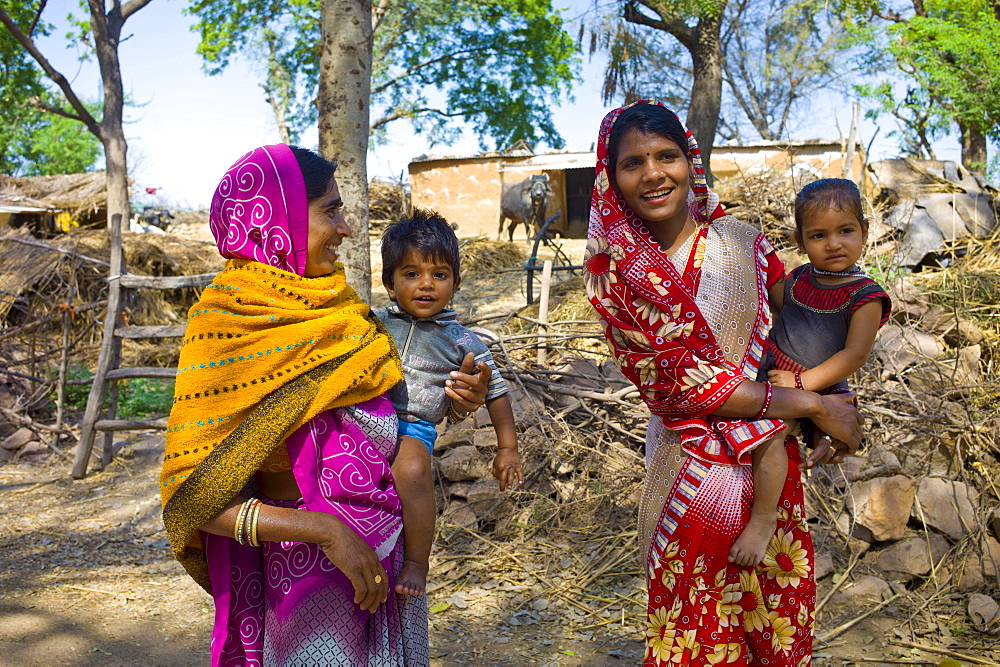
<point x="687" y="329"/>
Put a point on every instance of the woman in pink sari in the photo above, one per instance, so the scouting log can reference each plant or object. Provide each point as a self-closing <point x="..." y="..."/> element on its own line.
<point x="277" y="491"/>
<point x="683" y="291"/>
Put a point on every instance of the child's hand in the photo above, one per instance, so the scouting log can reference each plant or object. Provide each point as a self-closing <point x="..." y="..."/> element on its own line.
<point x="507" y="468"/>
<point x="781" y="378"/>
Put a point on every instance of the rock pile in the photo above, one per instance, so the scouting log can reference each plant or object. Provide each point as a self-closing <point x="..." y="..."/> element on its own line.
<point x="930" y="207"/>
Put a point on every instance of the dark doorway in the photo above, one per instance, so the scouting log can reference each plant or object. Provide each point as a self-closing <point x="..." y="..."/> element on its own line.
<point x="579" y="188"/>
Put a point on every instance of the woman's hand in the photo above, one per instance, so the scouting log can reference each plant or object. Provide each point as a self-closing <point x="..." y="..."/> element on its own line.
<point x="467" y="391"/>
<point x="841" y="426"/>
<point x="355" y="558"/>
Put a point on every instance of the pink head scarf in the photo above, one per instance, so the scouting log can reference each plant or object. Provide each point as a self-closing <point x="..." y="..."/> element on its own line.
<point x="260" y="210"/>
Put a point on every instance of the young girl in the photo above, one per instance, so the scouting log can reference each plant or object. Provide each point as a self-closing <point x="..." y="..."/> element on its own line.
<point x="829" y="313"/>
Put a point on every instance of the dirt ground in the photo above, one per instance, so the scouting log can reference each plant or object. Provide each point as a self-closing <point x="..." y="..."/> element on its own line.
<point x="88" y="579"/>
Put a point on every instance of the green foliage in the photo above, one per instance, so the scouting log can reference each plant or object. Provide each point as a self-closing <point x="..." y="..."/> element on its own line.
<point x="34" y="142"/>
<point x="137" y="398"/>
<point x="20" y="80"/>
<point x="774" y="55"/>
<point x="52" y="144"/>
<point x="948" y="58"/>
<point x="496" y="63"/>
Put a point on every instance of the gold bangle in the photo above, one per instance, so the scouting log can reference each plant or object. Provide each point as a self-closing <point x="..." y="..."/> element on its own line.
<point x="253" y="524"/>
<point x="454" y="416"/>
<point x="238" y="528"/>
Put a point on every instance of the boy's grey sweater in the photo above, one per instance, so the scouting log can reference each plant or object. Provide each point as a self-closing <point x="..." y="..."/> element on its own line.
<point x="430" y="349"/>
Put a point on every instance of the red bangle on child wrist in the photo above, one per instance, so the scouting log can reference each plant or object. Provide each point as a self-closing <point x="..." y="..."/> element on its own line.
<point x="767" y="401"/>
<point x="798" y="381"/>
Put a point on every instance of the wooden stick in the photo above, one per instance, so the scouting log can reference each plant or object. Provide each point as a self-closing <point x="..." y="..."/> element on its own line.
<point x="68" y="253"/>
<point x="843" y="627"/>
<point x="95" y="401"/>
<point x="543" y="312"/>
<point x="840" y="582"/>
<point x="943" y="651"/>
<point x="63" y="366"/>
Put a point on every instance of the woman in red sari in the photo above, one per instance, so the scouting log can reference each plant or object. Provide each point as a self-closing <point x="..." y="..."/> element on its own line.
<point x="683" y="291"/>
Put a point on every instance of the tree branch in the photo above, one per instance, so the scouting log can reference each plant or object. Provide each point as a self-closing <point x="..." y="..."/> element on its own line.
<point x="38" y="17"/>
<point x="419" y="66"/>
<point x="131" y="7"/>
<point x="52" y="73"/>
<point x="678" y="29"/>
<point x="410" y="113"/>
<point x="38" y="103"/>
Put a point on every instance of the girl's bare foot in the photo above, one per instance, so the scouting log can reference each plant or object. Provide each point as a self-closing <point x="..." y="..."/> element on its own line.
<point x="412" y="579"/>
<point x="749" y="547"/>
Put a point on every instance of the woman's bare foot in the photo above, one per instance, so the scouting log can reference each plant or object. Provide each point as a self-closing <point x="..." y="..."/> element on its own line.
<point x="412" y="579"/>
<point x="749" y="547"/>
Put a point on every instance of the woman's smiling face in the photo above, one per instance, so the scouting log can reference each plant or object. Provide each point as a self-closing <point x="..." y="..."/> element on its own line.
<point x="327" y="230"/>
<point x="653" y="177"/>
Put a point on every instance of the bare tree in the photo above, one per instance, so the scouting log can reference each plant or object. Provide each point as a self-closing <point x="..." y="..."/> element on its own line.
<point x="106" y="27"/>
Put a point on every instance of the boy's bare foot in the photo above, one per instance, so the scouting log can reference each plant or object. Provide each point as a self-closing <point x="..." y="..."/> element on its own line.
<point x="749" y="547"/>
<point x="412" y="579"/>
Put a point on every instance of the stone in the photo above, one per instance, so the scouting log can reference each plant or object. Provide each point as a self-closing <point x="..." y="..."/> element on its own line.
<point x="823" y="565"/>
<point x="909" y="558"/>
<point x="854" y="530"/>
<point x="865" y="590"/>
<point x="981" y="566"/>
<point x="614" y="376"/>
<point x="6" y="455"/>
<point x="882" y="505"/>
<point x="584" y="373"/>
<point x="463" y="463"/>
<point x="485" y="499"/>
<point x="946" y="506"/>
<point x="18" y="438"/>
<point x="485" y="439"/>
<point x="899" y="348"/>
<point x="984" y="612"/>
<point x="995" y="523"/>
<point x="33" y="448"/>
<point x="454" y="436"/>
<point x="460" y="514"/>
<point x="459" y="489"/>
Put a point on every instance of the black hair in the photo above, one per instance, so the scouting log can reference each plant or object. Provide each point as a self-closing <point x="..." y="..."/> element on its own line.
<point x="828" y="194"/>
<point x="423" y="231"/>
<point x="648" y="119"/>
<point x="316" y="171"/>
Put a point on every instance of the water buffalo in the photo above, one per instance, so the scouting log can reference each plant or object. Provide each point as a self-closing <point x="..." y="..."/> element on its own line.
<point x="525" y="203"/>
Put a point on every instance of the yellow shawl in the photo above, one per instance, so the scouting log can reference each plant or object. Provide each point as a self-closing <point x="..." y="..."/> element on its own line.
<point x="264" y="352"/>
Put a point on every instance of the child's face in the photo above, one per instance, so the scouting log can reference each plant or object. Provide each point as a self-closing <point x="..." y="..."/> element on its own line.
<point x="833" y="239"/>
<point x="422" y="286"/>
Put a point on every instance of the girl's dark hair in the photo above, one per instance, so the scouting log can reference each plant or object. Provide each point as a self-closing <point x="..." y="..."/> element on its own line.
<point x="423" y="231"/>
<point x="316" y="171"/>
<point x="648" y="119"/>
<point x="828" y="194"/>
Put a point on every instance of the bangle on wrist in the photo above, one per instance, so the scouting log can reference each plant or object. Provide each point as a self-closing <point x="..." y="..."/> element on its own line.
<point x="454" y="416"/>
<point x="767" y="401"/>
<point x="798" y="381"/>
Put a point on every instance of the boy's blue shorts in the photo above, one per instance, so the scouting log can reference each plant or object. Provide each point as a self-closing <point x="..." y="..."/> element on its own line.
<point x="424" y="431"/>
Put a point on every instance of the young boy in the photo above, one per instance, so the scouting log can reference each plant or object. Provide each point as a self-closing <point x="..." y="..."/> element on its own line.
<point x="420" y="271"/>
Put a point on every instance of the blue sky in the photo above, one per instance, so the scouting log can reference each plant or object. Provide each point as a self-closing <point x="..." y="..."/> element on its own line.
<point x="190" y="127"/>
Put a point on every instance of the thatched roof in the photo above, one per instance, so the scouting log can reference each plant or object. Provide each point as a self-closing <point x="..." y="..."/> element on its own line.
<point x="79" y="194"/>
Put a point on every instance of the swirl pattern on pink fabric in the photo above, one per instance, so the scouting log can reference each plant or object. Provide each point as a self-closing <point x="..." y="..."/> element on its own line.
<point x="260" y="210"/>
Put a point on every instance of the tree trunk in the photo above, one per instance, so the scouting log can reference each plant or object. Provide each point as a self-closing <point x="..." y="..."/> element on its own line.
<point x="342" y="103"/>
<point x="706" y="90"/>
<point x="973" y="149"/>
<point x="107" y="34"/>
